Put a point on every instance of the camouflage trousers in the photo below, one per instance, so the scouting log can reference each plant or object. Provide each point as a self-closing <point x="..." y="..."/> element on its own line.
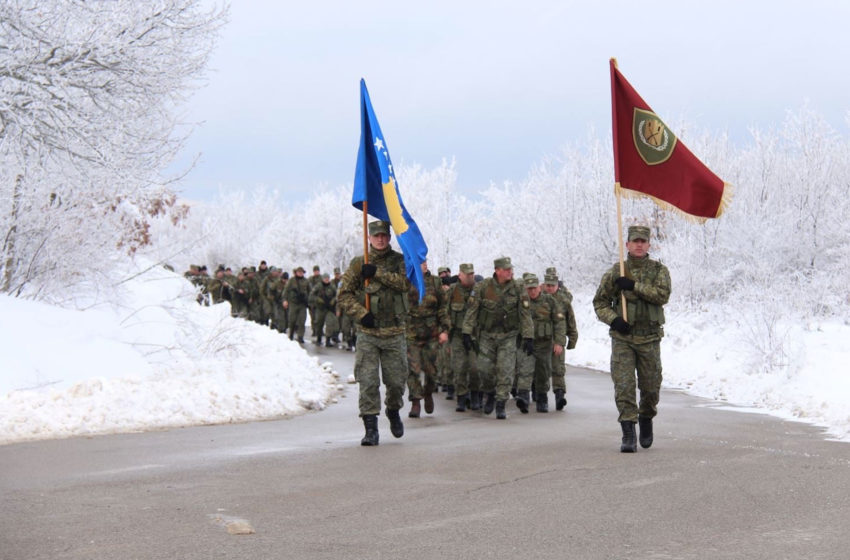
<point x="537" y="367"/>
<point x="497" y="363"/>
<point x="332" y="325"/>
<point x="279" y="317"/>
<point x="297" y="318"/>
<point x="559" y="371"/>
<point x="380" y="358"/>
<point x="320" y="317"/>
<point x="422" y="366"/>
<point x="626" y="359"/>
<point x="464" y="366"/>
<point x="444" y="365"/>
<point x="347" y="328"/>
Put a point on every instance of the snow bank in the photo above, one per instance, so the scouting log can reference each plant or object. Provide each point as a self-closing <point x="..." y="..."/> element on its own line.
<point x="152" y="358"/>
<point x="793" y="370"/>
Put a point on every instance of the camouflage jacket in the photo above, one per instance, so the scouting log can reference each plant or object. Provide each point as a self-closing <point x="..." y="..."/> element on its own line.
<point x="387" y="291"/>
<point x="323" y="296"/>
<point x="428" y="318"/>
<point x="643" y="304"/>
<point x="499" y="309"/>
<point x="548" y="318"/>
<point x="458" y="299"/>
<point x="564" y="299"/>
<point x="297" y="291"/>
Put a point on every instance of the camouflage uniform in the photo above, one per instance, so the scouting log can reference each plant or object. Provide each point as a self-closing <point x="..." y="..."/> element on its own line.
<point x="559" y="365"/>
<point x="274" y="292"/>
<point x="382" y="350"/>
<point x="549" y="329"/>
<point x="426" y="320"/>
<point x="264" y="305"/>
<point x="463" y="363"/>
<point x="241" y="296"/>
<point x="323" y="301"/>
<point x="499" y="312"/>
<point x="296" y="294"/>
<point x="313" y="281"/>
<point x="640" y="349"/>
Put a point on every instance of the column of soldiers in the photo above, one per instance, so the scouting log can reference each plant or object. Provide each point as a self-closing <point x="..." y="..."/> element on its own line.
<point x="268" y="296"/>
<point x="482" y="339"/>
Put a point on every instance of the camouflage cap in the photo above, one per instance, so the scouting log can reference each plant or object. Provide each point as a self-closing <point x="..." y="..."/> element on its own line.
<point x="443" y="269"/>
<point x="336" y="270"/>
<point x="530" y="281"/>
<point x="467" y="268"/>
<point x="551" y="279"/>
<point x="551" y="270"/>
<point x="301" y="268"/>
<point x="326" y="276"/>
<point x="316" y="268"/>
<point x="503" y="262"/>
<point x="639" y="232"/>
<point x="379" y="226"/>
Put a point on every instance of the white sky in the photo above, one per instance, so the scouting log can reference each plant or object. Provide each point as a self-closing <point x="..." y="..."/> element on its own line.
<point x="495" y="84"/>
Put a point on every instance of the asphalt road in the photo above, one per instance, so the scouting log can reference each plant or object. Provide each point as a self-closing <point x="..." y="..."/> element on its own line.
<point x="716" y="484"/>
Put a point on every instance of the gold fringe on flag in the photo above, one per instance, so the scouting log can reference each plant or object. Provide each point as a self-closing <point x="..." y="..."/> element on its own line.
<point x="725" y="200"/>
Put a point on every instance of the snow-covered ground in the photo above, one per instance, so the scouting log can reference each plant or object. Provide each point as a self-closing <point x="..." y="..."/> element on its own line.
<point x="781" y="367"/>
<point x="157" y="359"/>
<point x="149" y="358"/>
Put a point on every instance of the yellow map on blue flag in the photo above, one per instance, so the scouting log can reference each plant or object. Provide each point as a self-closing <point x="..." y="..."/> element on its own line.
<point x="374" y="183"/>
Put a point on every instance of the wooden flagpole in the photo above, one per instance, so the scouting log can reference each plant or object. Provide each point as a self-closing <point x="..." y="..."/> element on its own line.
<point x="620" y="243"/>
<point x="366" y="249"/>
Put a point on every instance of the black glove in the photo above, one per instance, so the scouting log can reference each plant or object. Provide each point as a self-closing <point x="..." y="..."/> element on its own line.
<point x="619" y="325"/>
<point x="447" y="280"/>
<point x="467" y="342"/>
<point x="528" y="346"/>
<point x="368" y="270"/>
<point x="368" y="320"/>
<point x="625" y="283"/>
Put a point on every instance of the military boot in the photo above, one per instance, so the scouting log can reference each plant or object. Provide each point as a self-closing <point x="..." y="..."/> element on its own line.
<point x="414" y="409"/>
<point x="429" y="402"/>
<point x="396" y="427"/>
<point x="522" y="401"/>
<point x="500" y="410"/>
<point x="629" y="444"/>
<point x="450" y="393"/>
<point x="291" y="334"/>
<point x="475" y="400"/>
<point x="645" y="438"/>
<point x="370" y="422"/>
<point x="491" y="402"/>
<point x="560" y="399"/>
<point x="318" y="340"/>
<point x="461" y="403"/>
<point x="542" y="402"/>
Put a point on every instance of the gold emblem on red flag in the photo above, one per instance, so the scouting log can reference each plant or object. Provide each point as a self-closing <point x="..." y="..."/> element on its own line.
<point x="653" y="140"/>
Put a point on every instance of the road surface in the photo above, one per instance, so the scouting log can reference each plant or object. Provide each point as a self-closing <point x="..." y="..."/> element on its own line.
<point x="716" y="484"/>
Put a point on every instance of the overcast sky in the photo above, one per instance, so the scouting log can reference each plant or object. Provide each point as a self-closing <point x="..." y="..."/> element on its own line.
<point x="496" y="84"/>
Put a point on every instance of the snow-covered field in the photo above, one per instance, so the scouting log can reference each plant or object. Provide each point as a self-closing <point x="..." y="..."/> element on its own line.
<point x="156" y="359"/>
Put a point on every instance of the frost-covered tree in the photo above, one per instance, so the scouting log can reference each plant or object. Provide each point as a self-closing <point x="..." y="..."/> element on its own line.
<point x="88" y="98"/>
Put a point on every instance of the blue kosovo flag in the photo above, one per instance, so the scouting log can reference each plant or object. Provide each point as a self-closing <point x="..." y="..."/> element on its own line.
<point x="374" y="183"/>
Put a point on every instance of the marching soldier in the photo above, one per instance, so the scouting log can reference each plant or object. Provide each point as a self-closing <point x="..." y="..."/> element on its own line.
<point x="499" y="310"/>
<point x="381" y="339"/>
<point x="553" y="287"/>
<point x="636" y="338"/>
<point x="323" y="300"/>
<point x="295" y="297"/>
<point x="427" y="328"/>
<point x="550" y="336"/>
<point x="466" y="381"/>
